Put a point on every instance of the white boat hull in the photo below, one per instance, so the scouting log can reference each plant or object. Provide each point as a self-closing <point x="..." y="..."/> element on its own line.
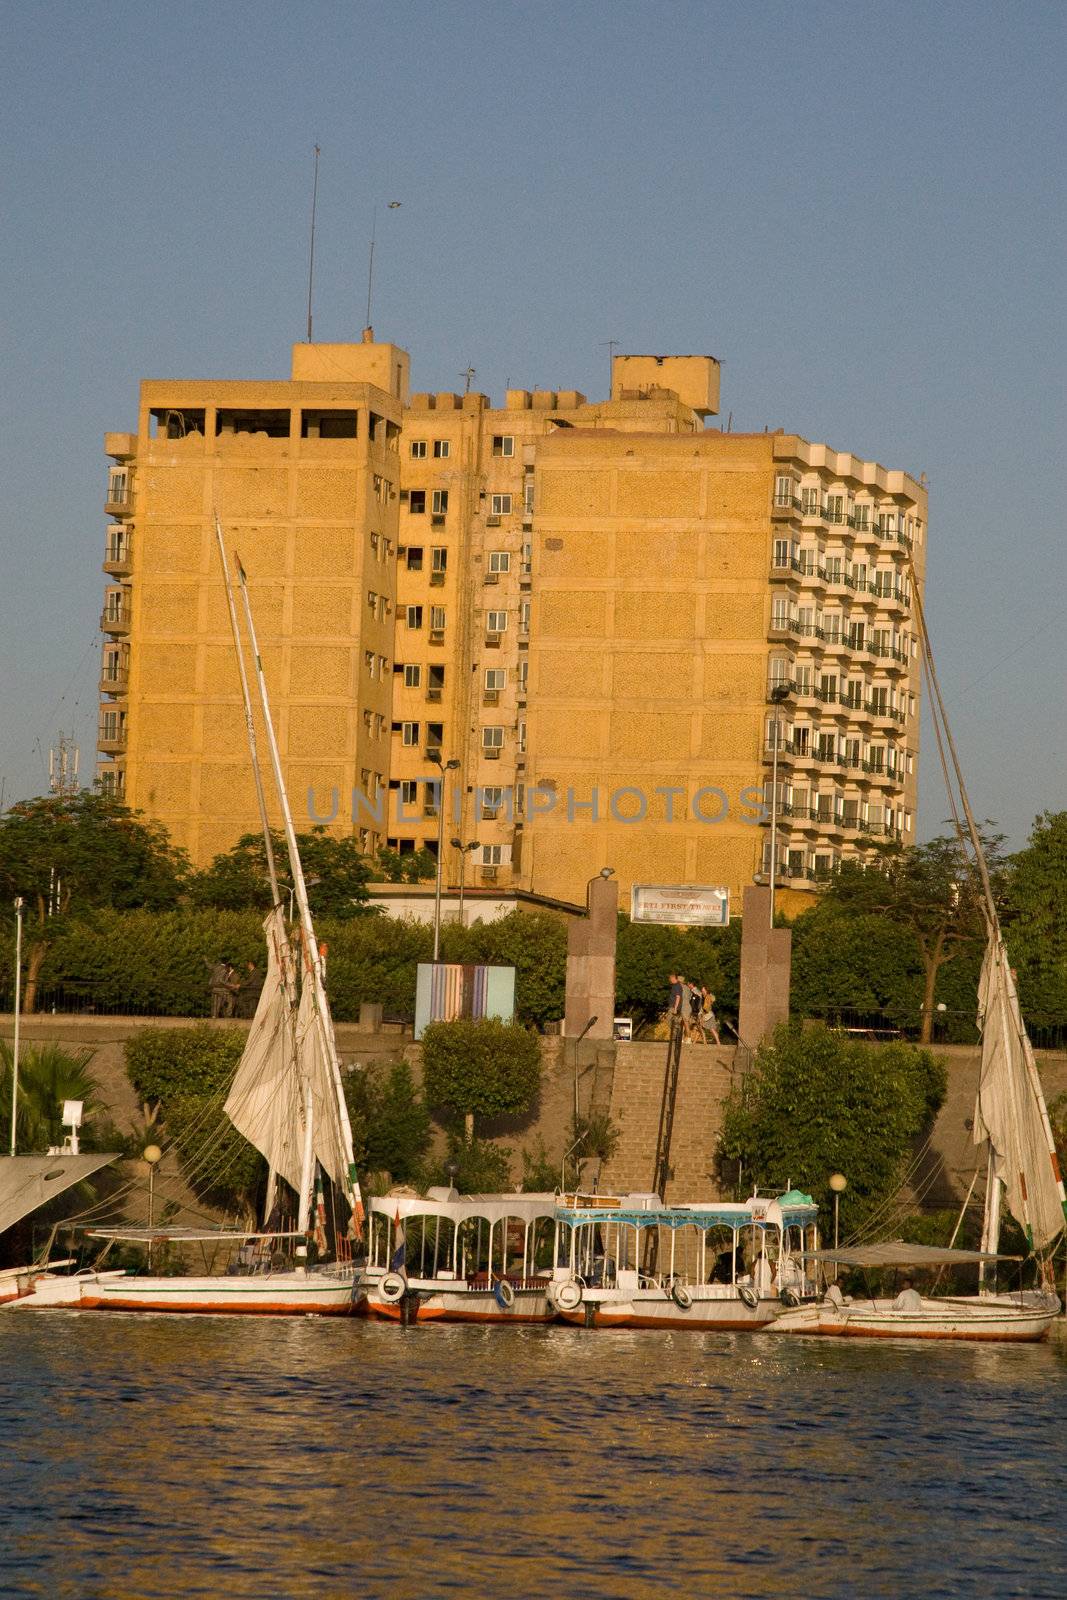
<point x="714" y="1308"/>
<point x="426" y="1300"/>
<point x="981" y="1318"/>
<point x="277" y="1294"/>
<point x="45" y="1290"/>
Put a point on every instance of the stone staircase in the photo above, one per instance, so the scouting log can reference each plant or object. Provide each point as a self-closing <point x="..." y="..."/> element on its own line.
<point x="704" y="1080"/>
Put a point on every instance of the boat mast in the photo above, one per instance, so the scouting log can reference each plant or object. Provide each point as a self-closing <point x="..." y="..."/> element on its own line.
<point x="312" y="958"/>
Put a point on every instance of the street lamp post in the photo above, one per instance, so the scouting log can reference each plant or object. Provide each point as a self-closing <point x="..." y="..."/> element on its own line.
<point x="18" y="1021"/>
<point x="457" y="844"/>
<point x="434" y="757"/>
<point x="151" y="1154"/>
<point x="779" y="693"/>
<point x="838" y="1184"/>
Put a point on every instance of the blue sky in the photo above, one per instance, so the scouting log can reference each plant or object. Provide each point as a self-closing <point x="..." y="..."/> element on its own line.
<point x="857" y="207"/>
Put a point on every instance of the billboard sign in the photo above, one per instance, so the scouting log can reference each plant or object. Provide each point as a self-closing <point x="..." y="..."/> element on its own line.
<point x="686" y="905"/>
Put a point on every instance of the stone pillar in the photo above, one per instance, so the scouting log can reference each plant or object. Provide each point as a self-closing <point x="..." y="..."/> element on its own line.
<point x="591" y="963"/>
<point x="766" y="955"/>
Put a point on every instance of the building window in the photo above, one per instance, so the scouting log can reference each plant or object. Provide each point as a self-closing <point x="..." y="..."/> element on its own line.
<point x="417" y="502"/>
<point x="370" y="661"/>
<point x="496" y="621"/>
<point x="503" y="444"/>
<point x="409" y="791"/>
<point x="441" y="449"/>
<point x="809" y="502"/>
<point x="414" y="558"/>
<point x="784" y="553"/>
<point x="414" y="616"/>
<point x="409" y="733"/>
<point x="374" y="543"/>
<point x="492" y="855"/>
<point x="500" y="505"/>
<point x="495" y="678"/>
<point x="438" y="558"/>
<point x="118" y="485"/>
<point x="372" y="601"/>
<point x="528" y="496"/>
<point x="499" y="561"/>
<point x="524" y="616"/>
<point x="784" y="490"/>
<point x="524" y="669"/>
<point x="492" y="738"/>
<point x="437" y="619"/>
<point x="440" y="502"/>
<point x="418" y="449"/>
<point x="412" y="676"/>
<point x="522" y="737"/>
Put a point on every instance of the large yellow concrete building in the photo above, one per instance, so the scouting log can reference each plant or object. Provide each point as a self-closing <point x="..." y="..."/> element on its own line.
<point x="587" y="605"/>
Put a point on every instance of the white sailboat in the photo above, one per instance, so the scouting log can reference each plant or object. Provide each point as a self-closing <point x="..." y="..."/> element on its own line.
<point x="1010" y="1120"/>
<point x="27" y="1183"/>
<point x="286" y="1099"/>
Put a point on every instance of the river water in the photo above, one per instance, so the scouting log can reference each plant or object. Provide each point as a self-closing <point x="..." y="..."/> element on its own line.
<point x="147" y="1457"/>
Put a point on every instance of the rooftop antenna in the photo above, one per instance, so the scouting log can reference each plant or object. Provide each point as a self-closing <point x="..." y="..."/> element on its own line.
<point x="467" y="376"/>
<point x="394" y="205"/>
<point x="63" y="760"/>
<point x="611" y="345"/>
<point x="311" y="260"/>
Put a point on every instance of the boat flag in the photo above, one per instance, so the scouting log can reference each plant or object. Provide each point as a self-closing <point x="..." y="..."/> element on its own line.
<point x="399" y="1243"/>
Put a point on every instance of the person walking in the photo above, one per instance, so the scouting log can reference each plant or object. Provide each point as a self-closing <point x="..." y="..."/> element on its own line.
<point x="675" y="1003"/>
<point x="223" y="985"/>
<point x="251" y="988"/>
<point x="693" y="1002"/>
<point x="708" y="1020"/>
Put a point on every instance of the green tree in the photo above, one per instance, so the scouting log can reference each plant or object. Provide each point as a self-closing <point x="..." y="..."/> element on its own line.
<point x="1035" y="918"/>
<point x="535" y="944"/>
<point x="413" y="866"/>
<point x="187" y="1073"/>
<point x="647" y="954"/>
<point x="68" y="854"/>
<point x="335" y="872"/>
<point x="932" y="890"/>
<point x="390" y="1122"/>
<point x="483" y="1068"/>
<point x="817" y="1102"/>
<point x="48" y="1075"/>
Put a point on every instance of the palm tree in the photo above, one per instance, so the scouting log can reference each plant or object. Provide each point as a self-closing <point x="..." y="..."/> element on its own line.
<point x="48" y="1075"/>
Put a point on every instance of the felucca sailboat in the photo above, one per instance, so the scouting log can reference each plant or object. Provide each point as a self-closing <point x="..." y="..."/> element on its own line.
<point x="1011" y="1120"/>
<point x="286" y="1099"/>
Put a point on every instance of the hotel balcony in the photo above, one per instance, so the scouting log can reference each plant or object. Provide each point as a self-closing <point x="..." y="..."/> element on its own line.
<point x="118" y="559"/>
<point x="114" y="680"/>
<point x="111" y="740"/>
<point x="115" y="619"/>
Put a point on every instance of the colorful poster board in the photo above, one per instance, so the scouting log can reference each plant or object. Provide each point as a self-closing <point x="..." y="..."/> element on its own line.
<point x="446" y="990"/>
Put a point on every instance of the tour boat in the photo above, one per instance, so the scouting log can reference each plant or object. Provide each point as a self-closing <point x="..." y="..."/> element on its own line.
<point x="287" y="1100"/>
<point x="447" y="1257"/>
<point x="632" y="1262"/>
<point x="27" y="1183"/>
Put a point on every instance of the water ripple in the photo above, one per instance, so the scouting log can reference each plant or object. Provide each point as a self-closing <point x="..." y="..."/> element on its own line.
<point x="151" y="1458"/>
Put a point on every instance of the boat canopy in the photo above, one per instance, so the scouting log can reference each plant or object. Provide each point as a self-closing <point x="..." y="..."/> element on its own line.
<point x="184" y="1235"/>
<point x="725" y="1214"/>
<point x="464" y="1207"/>
<point x="898" y="1253"/>
<point x="27" y="1182"/>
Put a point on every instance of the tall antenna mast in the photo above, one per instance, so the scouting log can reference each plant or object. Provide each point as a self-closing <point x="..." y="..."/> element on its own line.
<point x="311" y="258"/>
<point x="394" y="205"/>
<point x="63" y="760"/>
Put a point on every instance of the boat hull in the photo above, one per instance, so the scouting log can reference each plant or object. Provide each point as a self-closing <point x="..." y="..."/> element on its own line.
<point x="457" y="1304"/>
<point x="985" y="1322"/>
<point x="657" y="1309"/>
<point x="277" y="1294"/>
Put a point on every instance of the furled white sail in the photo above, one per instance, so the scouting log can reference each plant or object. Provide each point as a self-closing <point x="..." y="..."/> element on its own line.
<point x="266" y="1099"/>
<point x="314" y="1034"/>
<point x="1010" y="1110"/>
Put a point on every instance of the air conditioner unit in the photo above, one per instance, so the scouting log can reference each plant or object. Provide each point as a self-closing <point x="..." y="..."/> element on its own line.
<point x="437" y="636"/>
<point x="436" y="579"/>
<point x="429" y="809"/>
<point x="492" y="577"/>
<point x="489" y="874"/>
<point x="492" y="522"/>
<point x="491" y="697"/>
<point x="437" y="520"/>
<point x="491" y="755"/>
<point x="433" y="696"/>
<point x="492" y="641"/>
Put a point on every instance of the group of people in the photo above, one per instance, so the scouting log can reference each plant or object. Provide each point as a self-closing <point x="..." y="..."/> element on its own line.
<point x="233" y="994"/>
<point x="695" y="1008"/>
